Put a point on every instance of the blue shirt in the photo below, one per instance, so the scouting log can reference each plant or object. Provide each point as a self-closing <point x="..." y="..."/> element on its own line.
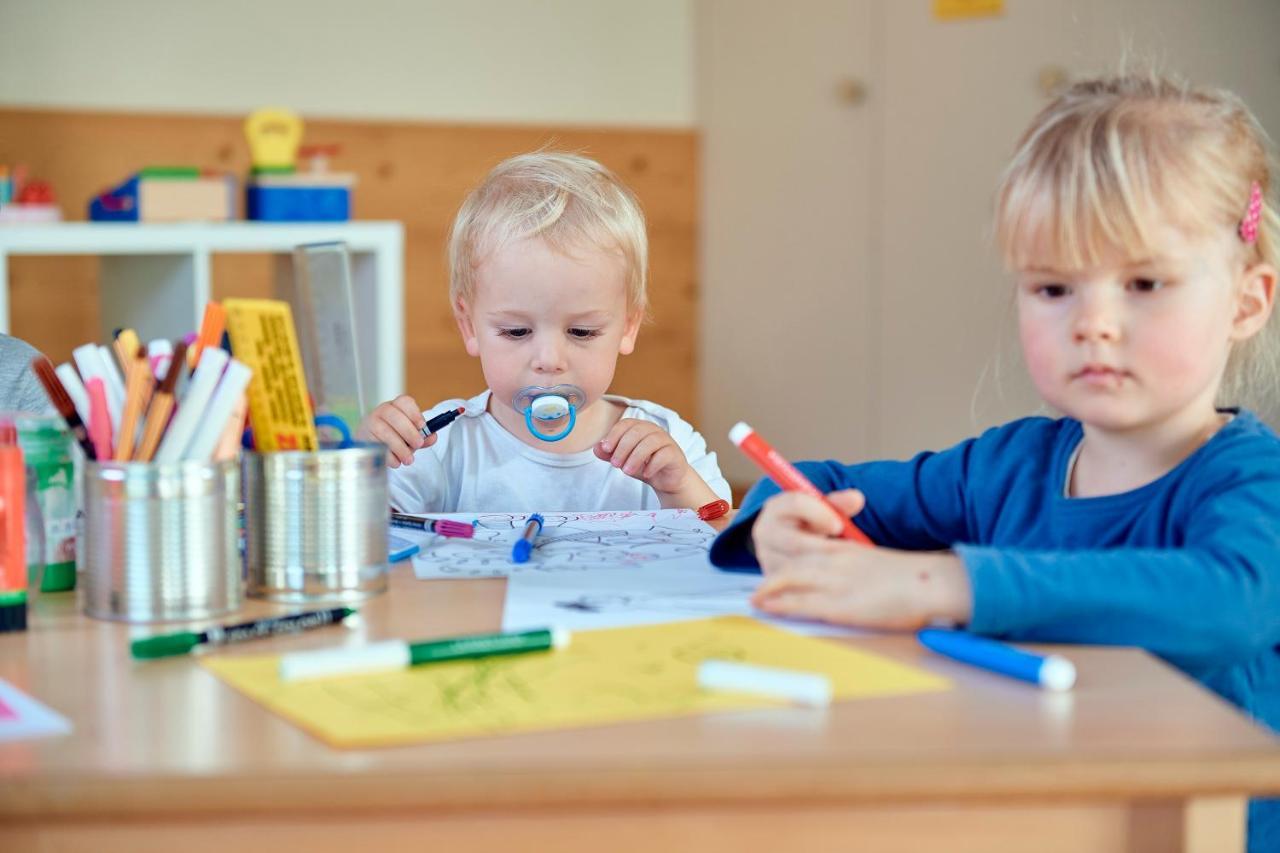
<point x="1187" y="566"/>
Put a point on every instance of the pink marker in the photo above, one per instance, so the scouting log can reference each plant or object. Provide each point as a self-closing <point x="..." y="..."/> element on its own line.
<point x="99" y="418"/>
<point x="785" y="475"/>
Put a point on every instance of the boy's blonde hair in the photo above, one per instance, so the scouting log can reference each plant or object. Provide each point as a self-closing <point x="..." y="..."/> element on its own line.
<point x="1112" y="157"/>
<point x="571" y="202"/>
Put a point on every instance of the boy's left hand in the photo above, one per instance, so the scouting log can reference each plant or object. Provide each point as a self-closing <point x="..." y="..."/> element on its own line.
<point x="646" y="451"/>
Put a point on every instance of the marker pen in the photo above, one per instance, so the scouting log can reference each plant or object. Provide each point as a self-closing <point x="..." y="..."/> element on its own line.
<point x="523" y="548"/>
<point x="786" y="475"/>
<point x="13" y="542"/>
<point x="438" y="526"/>
<point x="441" y="421"/>
<point x="166" y="645"/>
<point x="804" y="688"/>
<point x="397" y="654"/>
<point x="1052" y="672"/>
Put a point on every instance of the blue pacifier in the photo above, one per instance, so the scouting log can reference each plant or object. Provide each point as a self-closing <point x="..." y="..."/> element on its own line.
<point x="547" y="405"/>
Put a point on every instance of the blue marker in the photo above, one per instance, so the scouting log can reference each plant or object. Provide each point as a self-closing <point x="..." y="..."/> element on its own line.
<point x="1051" y="672"/>
<point x="524" y="546"/>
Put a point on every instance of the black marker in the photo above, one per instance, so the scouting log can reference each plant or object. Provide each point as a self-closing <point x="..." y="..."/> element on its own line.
<point x="181" y="643"/>
<point x="439" y="422"/>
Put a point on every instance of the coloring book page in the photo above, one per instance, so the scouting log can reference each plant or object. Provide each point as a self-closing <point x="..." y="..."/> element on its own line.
<point x="568" y="542"/>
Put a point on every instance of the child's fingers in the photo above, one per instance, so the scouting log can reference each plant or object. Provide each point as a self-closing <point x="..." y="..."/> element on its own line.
<point x="403" y="425"/>
<point x="643" y="452"/>
<point x="801" y="510"/>
<point x="667" y="456"/>
<point x="848" y="501"/>
<point x="626" y="443"/>
<point x="407" y="406"/>
<point x="803" y="604"/>
<point x="610" y="441"/>
<point x="398" y="453"/>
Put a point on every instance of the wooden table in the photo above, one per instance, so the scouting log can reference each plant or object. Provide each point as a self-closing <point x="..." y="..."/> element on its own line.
<point x="165" y="757"/>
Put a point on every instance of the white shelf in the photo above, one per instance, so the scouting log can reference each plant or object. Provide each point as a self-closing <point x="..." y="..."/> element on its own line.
<point x="156" y="277"/>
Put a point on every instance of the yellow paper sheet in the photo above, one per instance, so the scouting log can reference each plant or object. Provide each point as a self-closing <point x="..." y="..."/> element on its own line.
<point x="608" y="676"/>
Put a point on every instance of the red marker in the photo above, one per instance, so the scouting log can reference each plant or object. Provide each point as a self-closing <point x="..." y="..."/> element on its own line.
<point x="786" y="475"/>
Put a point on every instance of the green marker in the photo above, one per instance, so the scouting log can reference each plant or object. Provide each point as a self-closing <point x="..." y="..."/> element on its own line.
<point x="166" y="645"/>
<point x="397" y="654"/>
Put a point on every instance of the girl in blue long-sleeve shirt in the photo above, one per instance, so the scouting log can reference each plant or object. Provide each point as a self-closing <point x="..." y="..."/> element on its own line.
<point x="1134" y="217"/>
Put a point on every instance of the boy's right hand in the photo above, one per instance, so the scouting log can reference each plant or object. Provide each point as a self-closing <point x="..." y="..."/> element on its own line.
<point x="398" y="424"/>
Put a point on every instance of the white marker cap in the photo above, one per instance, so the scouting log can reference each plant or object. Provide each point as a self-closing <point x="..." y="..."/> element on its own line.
<point x="804" y="688"/>
<point x="740" y="432"/>
<point x="1057" y="673"/>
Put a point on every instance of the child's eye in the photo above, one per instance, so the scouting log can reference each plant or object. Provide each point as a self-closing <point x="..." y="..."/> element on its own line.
<point x="516" y="333"/>
<point x="584" y="334"/>
<point x="1146" y="285"/>
<point x="1052" y="291"/>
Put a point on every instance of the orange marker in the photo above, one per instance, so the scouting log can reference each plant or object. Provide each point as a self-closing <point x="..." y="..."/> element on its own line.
<point x="211" y="329"/>
<point x="786" y="475"/>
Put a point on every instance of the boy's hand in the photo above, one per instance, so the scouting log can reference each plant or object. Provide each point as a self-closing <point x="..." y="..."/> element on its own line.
<point x="811" y="575"/>
<point x="646" y="451"/>
<point x="398" y="424"/>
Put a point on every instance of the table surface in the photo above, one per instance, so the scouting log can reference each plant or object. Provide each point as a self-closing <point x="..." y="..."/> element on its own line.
<point x="167" y="735"/>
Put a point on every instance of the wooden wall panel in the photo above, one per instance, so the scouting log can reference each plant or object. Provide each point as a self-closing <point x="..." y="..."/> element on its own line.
<point x="412" y="172"/>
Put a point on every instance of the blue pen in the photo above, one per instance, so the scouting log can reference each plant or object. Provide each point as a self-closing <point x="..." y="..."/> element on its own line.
<point x="1051" y="672"/>
<point x="524" y="545"/>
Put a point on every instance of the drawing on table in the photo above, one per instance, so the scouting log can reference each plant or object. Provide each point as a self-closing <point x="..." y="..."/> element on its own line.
<point x="569" y="541"/>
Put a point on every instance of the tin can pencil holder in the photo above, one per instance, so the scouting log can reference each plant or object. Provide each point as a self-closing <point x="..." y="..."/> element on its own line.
<point x="160" y="540"/>
<point x="316" y="524"/>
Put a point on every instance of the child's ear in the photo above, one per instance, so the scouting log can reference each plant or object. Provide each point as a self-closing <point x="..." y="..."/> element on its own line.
<point x="466" y="325"/>
<point x="1255" y="301"/>
<point x="629" y="332"/>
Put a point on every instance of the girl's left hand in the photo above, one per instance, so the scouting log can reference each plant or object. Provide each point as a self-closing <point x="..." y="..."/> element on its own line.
<point x="812" y="575"/>
<point x="852" y="584"/>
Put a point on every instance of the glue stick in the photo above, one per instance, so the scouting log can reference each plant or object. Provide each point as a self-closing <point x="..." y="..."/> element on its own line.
<point x="13" y="546"/>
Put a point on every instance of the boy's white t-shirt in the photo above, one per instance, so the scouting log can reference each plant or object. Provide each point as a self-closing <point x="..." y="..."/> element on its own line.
<point x="477" y="466"/>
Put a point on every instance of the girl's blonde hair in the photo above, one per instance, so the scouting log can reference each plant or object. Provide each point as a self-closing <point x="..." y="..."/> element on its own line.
<point x="1112" y="157"/>
<point x="571" y="202"/>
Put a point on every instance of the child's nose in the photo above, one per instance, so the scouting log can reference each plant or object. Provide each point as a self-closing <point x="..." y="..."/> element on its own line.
<point x="1096" y="319"/>
<point x="548" y="357"/>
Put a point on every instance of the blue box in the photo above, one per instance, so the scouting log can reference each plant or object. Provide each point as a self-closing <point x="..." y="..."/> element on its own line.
<point x="297" y="204"/>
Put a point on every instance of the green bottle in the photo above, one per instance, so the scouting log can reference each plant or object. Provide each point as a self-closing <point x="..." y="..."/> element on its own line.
<point x="46" y="449"/>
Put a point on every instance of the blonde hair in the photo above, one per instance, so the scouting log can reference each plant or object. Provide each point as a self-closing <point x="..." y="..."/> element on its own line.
<point x="568" y="200"/>
<point x="1112" y="157"/>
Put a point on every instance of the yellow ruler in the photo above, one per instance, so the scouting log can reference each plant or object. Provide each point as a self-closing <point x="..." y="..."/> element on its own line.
<point x="263" y="337"/>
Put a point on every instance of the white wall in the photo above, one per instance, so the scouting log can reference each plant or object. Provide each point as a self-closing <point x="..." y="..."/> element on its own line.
<point x="852" y="303"/>
<point x="574" y="62"/>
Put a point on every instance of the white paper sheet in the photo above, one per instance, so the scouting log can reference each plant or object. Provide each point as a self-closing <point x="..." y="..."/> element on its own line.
<point x="23" y="718"/>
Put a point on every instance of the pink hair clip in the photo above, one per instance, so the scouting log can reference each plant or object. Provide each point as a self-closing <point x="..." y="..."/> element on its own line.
<point x="1252" y="215"/>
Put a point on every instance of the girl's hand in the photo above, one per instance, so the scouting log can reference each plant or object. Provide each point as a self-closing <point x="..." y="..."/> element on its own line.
<point x="811" y="575"/>
<point x="869" y="588"/>
<point x="646" y="451"/>
<point x="793" y="524"/>
<point x="398" y="424"/>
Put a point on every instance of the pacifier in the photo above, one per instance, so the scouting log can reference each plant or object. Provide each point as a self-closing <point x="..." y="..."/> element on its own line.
<point x="547" y="405"/>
